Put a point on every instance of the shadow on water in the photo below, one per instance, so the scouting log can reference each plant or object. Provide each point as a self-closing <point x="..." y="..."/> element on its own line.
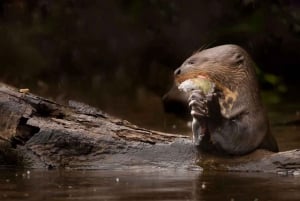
<point x="145" y="185"/>
<point x="285" y="124"/>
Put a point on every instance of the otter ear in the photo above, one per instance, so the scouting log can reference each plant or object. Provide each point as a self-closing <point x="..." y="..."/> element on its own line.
<point x="238" y="59"/>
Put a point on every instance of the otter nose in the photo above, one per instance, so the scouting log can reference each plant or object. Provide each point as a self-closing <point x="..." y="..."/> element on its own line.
<point x="177" y="71"/>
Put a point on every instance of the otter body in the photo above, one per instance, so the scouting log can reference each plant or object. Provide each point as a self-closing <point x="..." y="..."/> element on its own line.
<point x="232" y="119"/>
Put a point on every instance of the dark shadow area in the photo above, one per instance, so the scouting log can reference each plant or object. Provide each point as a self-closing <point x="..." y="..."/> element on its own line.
<point x="120" y="55"/>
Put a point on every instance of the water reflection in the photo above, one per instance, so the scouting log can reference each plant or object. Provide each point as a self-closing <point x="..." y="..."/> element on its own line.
<point x="247" y="186"/>
<point x="145" y="185"/>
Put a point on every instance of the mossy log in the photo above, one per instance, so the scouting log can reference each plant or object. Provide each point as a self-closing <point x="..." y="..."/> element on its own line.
<point x="39" y="133"/>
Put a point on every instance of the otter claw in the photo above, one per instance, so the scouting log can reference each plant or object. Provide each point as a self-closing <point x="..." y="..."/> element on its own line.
<point x="197" y="104"/>
<point x="199" y="113"/>
<point x="194" y="113"/>
<point x="191" y="103"/>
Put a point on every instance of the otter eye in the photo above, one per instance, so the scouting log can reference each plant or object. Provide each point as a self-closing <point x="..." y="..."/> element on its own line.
<point x="191" y="61"/>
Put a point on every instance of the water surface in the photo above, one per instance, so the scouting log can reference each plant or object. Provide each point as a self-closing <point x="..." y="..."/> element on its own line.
<point x="57" y="185"/>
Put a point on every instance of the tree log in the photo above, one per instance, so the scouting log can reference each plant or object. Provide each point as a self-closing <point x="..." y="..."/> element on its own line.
<point x="37" y="132"/>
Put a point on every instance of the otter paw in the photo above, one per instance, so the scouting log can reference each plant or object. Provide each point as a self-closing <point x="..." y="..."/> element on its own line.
<point x="198" y="104"/>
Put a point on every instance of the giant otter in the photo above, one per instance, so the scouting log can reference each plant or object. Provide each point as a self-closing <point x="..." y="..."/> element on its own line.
<point x="233" y="119"/>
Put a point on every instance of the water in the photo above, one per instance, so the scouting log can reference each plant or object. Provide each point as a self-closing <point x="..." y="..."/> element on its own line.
<point x="58" y="185"/>
<point x="286" y="132"/>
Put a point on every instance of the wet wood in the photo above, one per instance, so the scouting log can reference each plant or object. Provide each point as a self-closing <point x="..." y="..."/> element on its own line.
<point x="39" y="133"/>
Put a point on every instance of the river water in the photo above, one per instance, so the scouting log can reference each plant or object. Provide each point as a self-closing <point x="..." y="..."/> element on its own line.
<point x="58" y="185"/>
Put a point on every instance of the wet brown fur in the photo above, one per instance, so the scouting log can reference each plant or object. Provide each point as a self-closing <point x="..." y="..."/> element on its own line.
<point x="239" y="102"/>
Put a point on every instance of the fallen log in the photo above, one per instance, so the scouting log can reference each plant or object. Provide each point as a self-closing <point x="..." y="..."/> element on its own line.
<point x="37" y="132"/>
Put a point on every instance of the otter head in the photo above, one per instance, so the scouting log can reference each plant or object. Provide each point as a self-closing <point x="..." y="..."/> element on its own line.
<point x="229" y="67"/>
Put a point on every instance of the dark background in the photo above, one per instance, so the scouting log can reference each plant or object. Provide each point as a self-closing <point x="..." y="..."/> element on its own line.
<point x="119" y="55"/>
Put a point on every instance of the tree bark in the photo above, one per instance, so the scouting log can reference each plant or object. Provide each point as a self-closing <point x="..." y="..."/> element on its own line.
<point x="39" y="133"/>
